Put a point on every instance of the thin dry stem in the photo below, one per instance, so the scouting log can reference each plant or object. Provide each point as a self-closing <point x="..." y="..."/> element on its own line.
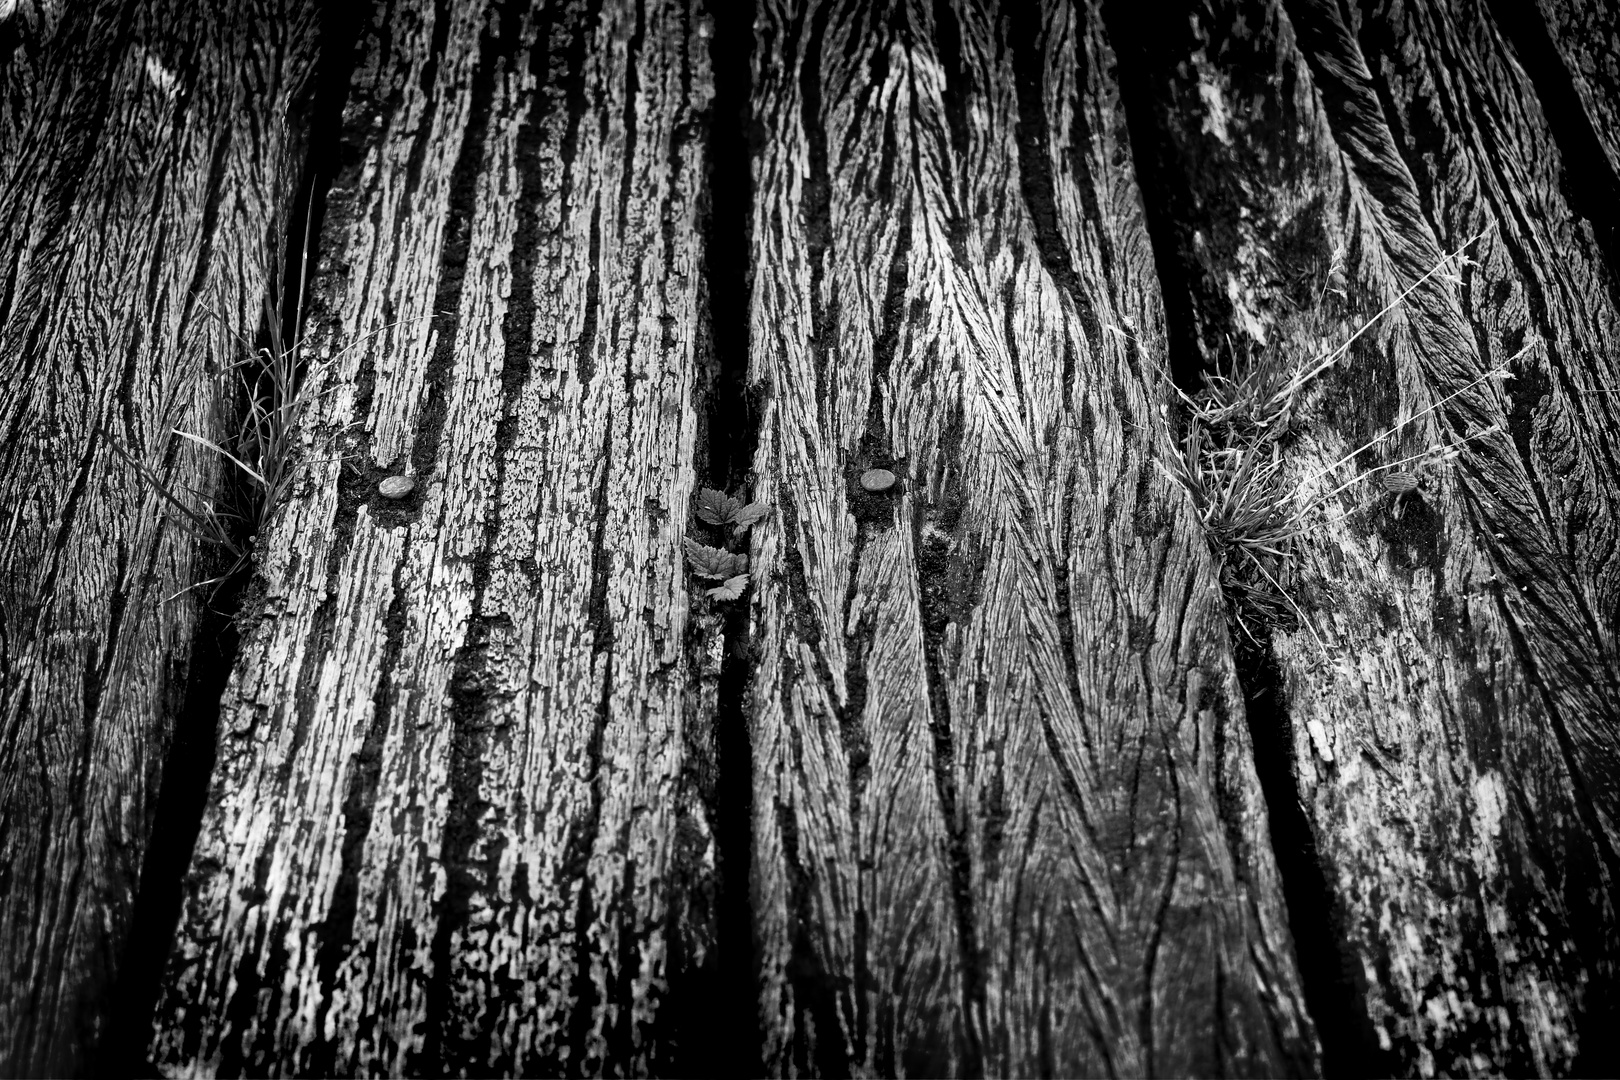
<point x="1230" y="463"/>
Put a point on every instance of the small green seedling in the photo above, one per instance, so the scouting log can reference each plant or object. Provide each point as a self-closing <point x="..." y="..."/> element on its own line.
<point x="713" y="563"/>
<point x="730" y="589"/>
<point x="716" y="563"/>
<point x="718" y="508"/>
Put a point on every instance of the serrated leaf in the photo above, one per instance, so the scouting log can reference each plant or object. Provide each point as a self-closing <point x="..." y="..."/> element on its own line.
<point x="706" y="561"/>
<point x="716" y="507"/>
<point x="732" y="588"/>
<point x="713" y="563"/>
<point x="747" y="515"/>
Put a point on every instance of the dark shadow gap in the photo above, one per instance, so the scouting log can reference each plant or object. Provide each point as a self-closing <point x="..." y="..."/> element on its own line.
<point x="1334" y="991"/>
<point x="178" y="818"/>
<point x="731" y="425"/>
<point x="188" y="766"/>
<point x="1141" y="37"/>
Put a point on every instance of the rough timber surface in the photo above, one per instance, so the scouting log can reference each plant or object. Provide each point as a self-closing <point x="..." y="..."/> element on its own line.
<point x="1005" y="815"/>
<point x="458" y="822"/>
<point x="1018" y="800"/>
<point x="1454" y="732"/>
<point x="142" y="148"/>
<point x="1573" y="49"/>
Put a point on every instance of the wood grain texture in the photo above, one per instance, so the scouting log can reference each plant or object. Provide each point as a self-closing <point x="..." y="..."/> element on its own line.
<point x="1583" y="37"/>
<point x="1454" y="741"/>
<point x="26" y="30"/>
<point x="139" y="174"/>
<point x="457" y="825"/>
<point x="1020" y="800"/>
<point x="1005" y="816"/>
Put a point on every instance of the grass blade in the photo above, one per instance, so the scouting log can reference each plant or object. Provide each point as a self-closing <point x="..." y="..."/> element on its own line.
<point x="218" y="449"/>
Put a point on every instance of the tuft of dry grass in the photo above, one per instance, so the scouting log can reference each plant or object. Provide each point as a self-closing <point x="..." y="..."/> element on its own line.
<point x="261" y="447"/>
<point x="1231" y="463"/>
<point x="268" y="380"/>
<point x="260" y="450"/>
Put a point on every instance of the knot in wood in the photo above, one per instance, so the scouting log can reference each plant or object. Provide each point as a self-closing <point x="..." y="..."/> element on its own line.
<point x="1398" y="483"/>
<point x="396" y="487"/>
<point x="877" y="479"/>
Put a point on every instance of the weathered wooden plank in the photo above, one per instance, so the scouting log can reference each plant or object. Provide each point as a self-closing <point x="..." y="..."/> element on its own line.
<point x="456" y="825"/>
<point x="140" y="174"/>
<point x="1452" y="697"/>
<point x="1543" y="505"/>
<point x="1005" y="816"/>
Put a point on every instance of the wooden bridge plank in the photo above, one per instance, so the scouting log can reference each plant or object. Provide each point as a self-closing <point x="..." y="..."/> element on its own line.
<point x="1451" y="699"/>
<point x="140" y="173"/>
<point x="1049" y="854"/>
<point x="453" y="799"/>
<point x="1542" y="502"/>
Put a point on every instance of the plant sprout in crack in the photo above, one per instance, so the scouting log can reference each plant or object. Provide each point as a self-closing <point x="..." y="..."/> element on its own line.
<point x="1231" y="464"/>
<point x="261" y="446"/>
<point x="732" y="518"/>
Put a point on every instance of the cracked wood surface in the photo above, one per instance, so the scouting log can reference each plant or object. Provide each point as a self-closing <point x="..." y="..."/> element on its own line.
<point x="1002" y="785"/>
<point x="1005" y="816"/>
<point x="143" y="151"/>
<point x="456" y="824"/>
<point x="1454" y="743"/>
